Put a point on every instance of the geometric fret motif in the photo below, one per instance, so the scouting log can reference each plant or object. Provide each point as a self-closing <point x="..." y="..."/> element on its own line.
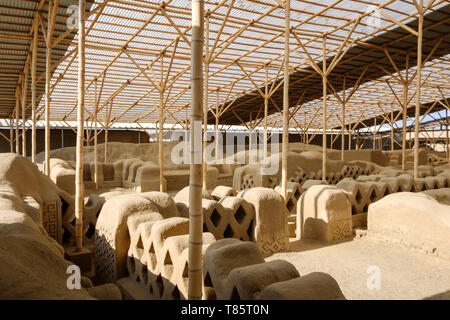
<point x="51" y="219"/>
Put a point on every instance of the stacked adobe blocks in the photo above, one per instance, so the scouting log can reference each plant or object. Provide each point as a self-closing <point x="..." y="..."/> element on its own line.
<point x="112" y="239"/>
<point x="293" y="193"/>
<point x="320" y="211"/>
<point x="368" y="189"/>
<point x="158" y="257"/>
<point x="236" y="270"/>
<point x="302" y="167"/>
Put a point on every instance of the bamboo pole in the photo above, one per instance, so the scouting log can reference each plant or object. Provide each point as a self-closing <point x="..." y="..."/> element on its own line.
<point x="374" y="134"/>
<point x="106" y="144"/>
<point x="357" y="140"/>
<point x="206" y="104"/>
<point x="107" y="120"/>
<point x="349" y="137"/>
<point x="79" y="186"/>
<point x="17" y="122"/>
<point x="324" y="108"/>
<point x="287" y="12"/>
<point x="33" y="93"/>
<point x="404" y="116"/>
<point x="161" y="130"/>
<point x="95" y="139"/>
<point x="419" y="84"/>
<point x="446" y="136"/>
<point x="250" y="140"/>
<point x="24" y="117"/>
<point x="216" y="139"/>
<point x="392" y="129"/>
<point x="11" y="135"/>
<point x="343" y="123"/>
<point x="195" y="181"/>
<point x="48" y="75"/>
<point x="266" y="109"/>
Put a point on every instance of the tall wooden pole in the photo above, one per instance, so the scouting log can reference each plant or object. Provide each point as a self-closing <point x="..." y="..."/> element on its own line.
<point x="404" y="116"/>
<point x="205" y="107"/>
<point x="48" y="74"/>
<point x="287" y="13"/>
<point x="419" y="84"/>
<point x="392" y="129"/>
<point x="216" y="139"/>
<point x="446" y="136"/>
<point x="161" y="129"/>
<point x="108" y="118"/>
<point x="33" y="92"/>
<point x="250" y="140"/>
<point x="195" y="181"/>
<point x="24" y="117"/>
<point x="324" y="108"/>
<point x="357" y="140"/>
<point x="95" y="138"/>
<point x="349" y="137"/>
<point x="106" y="143"/>
<point x="17" y="121"/>
<point x="343" y="124"/>
<point x="186" y="141"/>
<point x="374" y="133"/>
<point x="11" y="134"/>
<point x="79" y="186"/>
<point x="266" y="110"/>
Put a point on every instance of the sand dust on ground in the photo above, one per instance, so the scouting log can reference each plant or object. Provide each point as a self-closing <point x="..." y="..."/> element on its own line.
<point x="404" y="273"/>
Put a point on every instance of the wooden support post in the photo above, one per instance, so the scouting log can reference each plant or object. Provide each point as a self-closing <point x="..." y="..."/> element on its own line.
<point x="343" y="132"/>
<point x="324" y="108"/>
<point x="250" y="140"/>
<point x="24" y="117"/>
<point x="95" y="139"/>
<point x="216" y="127"/>
<point x="11" y="135"/>
<point x="48" y="75"/>
<point x="392" y="129"/>
<point x="266" y="110"/>
<point x="195" y="182"/>
<point x="186" y="141"/>
<point x="206" y="105"/>
<point x="446" y="137"/>
<point x="404" y="116"/>
<point x="107" y="123"/>
<point x="33" y="91"/>
<point x="62" y="138"/>
<point x="374" y="133"/>
<point x="357" y="140"/>
<point x="287" y="12"/>
<point x="79" y="185"/>
<point x="349" y="137"/>
<point x="17" y="121"/>
<point x="418" y="89"/>
<point x="106" y="144"/>
<point x="161" y="129"/>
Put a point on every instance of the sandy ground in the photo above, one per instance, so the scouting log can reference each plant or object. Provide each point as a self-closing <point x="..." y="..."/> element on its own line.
<point x="405" y="273"/>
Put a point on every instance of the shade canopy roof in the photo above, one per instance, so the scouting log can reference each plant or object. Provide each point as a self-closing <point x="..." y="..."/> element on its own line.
<point x="132" y="47"/>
